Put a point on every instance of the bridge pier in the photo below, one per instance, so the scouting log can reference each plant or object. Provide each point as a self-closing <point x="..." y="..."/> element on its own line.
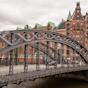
<point x="6" y="59"/>
<point x="11" y="62"/>
<point x="61" y="53"/>
<point x="37" y="57"/>
<point x="47" y="51"/>
<point x="11" y="54"/>
<point x="60" y="56"/>
<point x="26" y="56"/>
<point x="16" y="56"/>
<point x="55" y="54"/>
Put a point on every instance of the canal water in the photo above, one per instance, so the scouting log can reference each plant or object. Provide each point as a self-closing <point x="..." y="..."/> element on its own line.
<point x="52" y="83"/>
<point x="58" y="83"/>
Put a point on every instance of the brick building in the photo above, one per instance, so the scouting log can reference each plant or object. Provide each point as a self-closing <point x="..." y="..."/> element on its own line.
<point x="76" y="27"/>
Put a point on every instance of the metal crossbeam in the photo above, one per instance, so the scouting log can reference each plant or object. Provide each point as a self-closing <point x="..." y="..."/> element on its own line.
<point x="44" y="36"/>
<point x="41" y="41"/>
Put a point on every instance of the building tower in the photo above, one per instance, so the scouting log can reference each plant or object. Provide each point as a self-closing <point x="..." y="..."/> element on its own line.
<point x="75" y="27"/>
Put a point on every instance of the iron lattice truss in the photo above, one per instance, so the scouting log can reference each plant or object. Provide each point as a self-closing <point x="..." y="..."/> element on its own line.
<point x="39" y="40"/>
<point x="15" y="39"/>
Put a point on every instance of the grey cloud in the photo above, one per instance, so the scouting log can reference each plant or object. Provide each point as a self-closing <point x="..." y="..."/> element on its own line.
<point x="21" y="12"/>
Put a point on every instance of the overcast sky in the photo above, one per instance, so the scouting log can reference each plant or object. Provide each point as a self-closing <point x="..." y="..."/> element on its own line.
<point x="20" y="12"/>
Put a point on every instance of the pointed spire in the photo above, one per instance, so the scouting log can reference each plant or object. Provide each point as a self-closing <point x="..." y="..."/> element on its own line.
<point x="77" y="15"/>
<point x="69" y="16"/>
<point x="78" y="5"/>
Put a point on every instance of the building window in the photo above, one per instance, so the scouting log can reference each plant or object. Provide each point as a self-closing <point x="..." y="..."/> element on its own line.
<point x="68" y="51"/>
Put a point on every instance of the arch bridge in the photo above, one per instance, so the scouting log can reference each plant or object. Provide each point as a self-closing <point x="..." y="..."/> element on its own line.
<point x="46" y="44"/>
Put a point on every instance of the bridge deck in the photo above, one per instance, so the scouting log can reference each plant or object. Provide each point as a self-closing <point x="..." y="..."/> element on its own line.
<point x="4" y="70"/>
<point x="19" y="77"/>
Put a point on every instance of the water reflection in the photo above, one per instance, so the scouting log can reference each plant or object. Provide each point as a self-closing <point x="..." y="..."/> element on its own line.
<point x="56" y="83"/>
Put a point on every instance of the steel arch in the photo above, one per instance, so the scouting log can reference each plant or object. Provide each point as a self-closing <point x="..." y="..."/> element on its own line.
<point x="39" y="35"/>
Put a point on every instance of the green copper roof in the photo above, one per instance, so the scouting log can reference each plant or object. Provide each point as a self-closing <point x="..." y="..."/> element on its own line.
<point x="69" y="16"/>
<point x="37" y="26"/>
<point x="61" y="25"/>
<point x="51" y="23"/>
